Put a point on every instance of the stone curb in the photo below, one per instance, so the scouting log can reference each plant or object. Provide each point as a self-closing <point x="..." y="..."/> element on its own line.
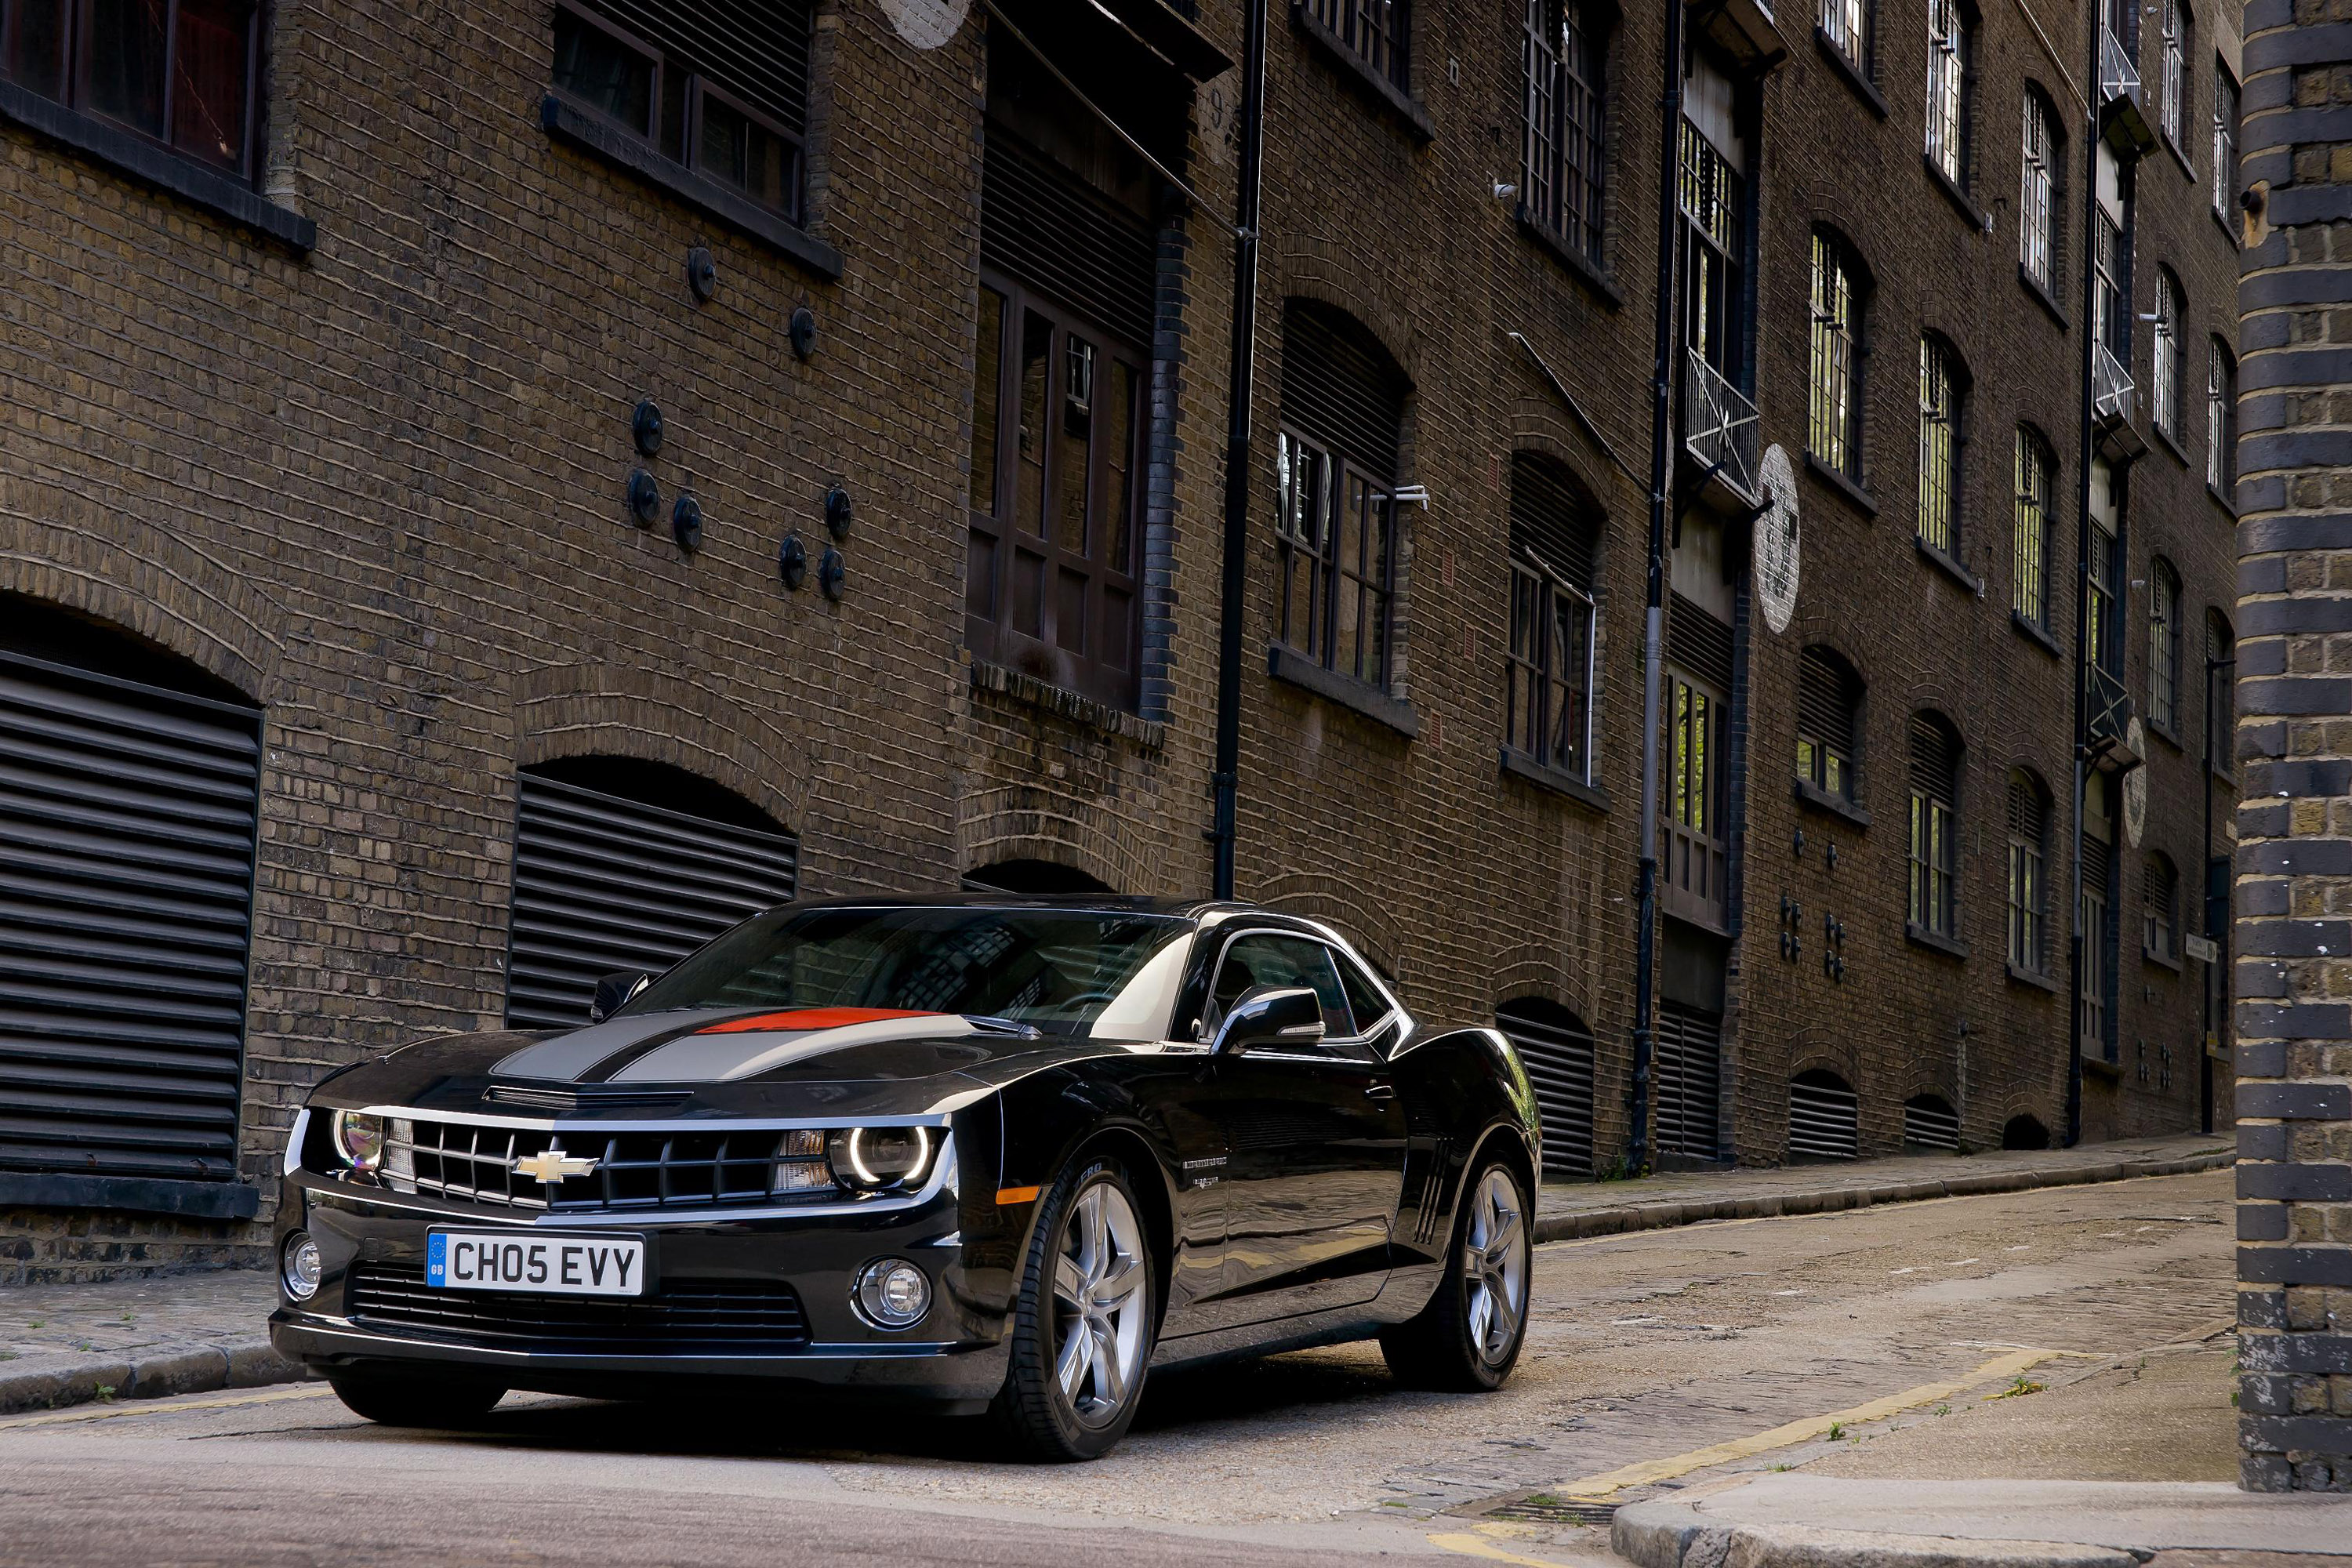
<point x="1829" y="1200"/>
<point x="151" y="1373"/>
<point x="1670" y="1533"/>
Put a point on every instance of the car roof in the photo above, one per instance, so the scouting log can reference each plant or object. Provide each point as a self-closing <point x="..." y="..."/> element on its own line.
<point x="1105" y="903"/>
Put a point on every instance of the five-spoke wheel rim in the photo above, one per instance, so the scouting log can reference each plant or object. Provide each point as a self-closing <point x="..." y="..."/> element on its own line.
<point x="1495" y="1267"/>
<point x="1100" y="1303"/>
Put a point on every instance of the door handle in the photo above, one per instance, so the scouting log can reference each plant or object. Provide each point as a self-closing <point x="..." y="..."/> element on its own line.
<point x="1379" y="1091"/>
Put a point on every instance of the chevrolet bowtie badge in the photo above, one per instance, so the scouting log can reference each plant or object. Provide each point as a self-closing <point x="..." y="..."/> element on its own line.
<point x="549" y="1168"/>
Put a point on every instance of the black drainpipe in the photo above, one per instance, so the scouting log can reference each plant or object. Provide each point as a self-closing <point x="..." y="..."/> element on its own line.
<point x="1224" y="782"/>
<point x="2083" y="652"/>
<point x="1645" y="954"/>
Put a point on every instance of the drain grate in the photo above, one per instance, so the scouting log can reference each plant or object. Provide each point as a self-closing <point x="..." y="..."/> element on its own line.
<point x="1542" y="1509"/>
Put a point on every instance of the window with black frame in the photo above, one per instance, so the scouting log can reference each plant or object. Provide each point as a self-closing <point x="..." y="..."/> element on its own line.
<point x="1829" y="722"/>
<point x="1697" y="830"/>
<point x="1943" y="384"/>
<point x="1936" y="756"/>
<point x="1846" y="25"/>
<point x="1381" y="31"/>
<point x="2103" y="605"/>
<point x="2035" y="479"/>
<point x="1562" y="145"/>
<point x="1835" y="429"/>
<point x="2221" y="417"/>
<point x="2029" y="891"/>
<point x="1337" y="460"/>
<point x="1951" y="63"/>
<point x="181" y="74"/>
<point x="719" y="87"/>
<point x="2225" y="146"/>
<point x="2164" y="358"/>
<point x="1555" y="537"/>
<point x="2164" y="646"/>
<point x="2042" y="184"/>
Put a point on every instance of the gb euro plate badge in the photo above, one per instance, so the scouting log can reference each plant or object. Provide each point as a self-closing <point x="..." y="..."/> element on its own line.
<point x="535" y="1264"/>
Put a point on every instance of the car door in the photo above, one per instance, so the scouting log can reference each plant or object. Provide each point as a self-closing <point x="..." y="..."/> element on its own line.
<point x="1315" y="1144"/>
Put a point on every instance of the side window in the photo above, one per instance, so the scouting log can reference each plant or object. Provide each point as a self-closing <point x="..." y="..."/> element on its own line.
<point x="1364" y="999"/>
<point x="1265" y="959"/>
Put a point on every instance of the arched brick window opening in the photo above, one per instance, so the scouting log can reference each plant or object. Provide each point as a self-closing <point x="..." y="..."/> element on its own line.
<point x="2024" y="1132"/>
<point x="1557" y="1049"/>
<point x="1930" y="1124"/>
<point x="1824" y="1117"/>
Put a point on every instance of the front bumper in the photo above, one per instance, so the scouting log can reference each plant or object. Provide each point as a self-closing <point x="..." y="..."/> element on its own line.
<point x="371" y="1312"/>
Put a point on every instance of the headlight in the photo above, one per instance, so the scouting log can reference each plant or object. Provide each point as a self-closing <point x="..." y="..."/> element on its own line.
<point x="871" y="1158"/>
<point x="301" y="1266"/>
<point x="893" y="1293"/>
<point x="358" y="1139"/>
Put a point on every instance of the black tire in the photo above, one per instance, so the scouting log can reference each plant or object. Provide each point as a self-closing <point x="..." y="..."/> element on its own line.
<point x="416" y="1401"/>
<point x="1034" y="1409"/>
<point x="1440" y="1348"/>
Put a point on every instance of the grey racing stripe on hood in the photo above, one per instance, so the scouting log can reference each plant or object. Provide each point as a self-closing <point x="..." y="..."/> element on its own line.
<point x="574" y="1058"/>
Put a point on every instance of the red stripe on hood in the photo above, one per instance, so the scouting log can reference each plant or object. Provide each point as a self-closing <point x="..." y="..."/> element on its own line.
<point x="812" y="1018"/>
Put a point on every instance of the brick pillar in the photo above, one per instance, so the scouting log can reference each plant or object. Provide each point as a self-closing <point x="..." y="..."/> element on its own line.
<point x="2295" y="705"/>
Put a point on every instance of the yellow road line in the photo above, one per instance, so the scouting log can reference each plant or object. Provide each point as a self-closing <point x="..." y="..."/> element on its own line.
<point x="1594" y="1488"/>
<point x="1478" y="1546"/>
<point x="165" y="1406"/>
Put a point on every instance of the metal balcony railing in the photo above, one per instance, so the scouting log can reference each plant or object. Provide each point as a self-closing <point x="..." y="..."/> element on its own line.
<point x="2107" y="709"/>
<point x="2111" y="386"/>
<point x="2119" y="72"/>
<point x="1719" y="426"/>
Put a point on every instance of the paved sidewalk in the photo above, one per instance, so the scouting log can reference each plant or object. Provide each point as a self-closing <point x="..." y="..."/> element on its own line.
<point x="1603" y="1208"/>
<point x="1816" y="1521"/>
<point x="65" y="1344"/>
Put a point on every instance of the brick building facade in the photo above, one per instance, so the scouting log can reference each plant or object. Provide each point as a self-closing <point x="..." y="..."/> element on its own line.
<point x="326" y="465"/>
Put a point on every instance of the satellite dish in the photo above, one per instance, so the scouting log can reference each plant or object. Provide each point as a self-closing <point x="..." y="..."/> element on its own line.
<point x="2135" y="786"/>
<point x="1776" y="539"/>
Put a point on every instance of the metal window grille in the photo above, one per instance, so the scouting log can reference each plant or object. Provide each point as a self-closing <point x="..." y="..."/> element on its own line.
<point x="1935" y="832"/>
<point x="1835" y="338"/>
<point x="2028" y="889"/>
<point x="1689" y="1051"/>
<point x="604" y="884"/>
<point x="1939" y="423"/>
<point x="2029" y="544"/>
<point x="2164" y="646"/>
<point x="1558" y="1051"/>
<point x="2173" y="73"/>
<point x="1829" y="702"/>
<point x="1930" y="1122"/>
<point x="2164" y="357"/>
<point x="2037" y="203"/>
<point x="1824" y="1118"/>
<point x="1947" y="63"/>
<point x="128" y="815"/>
<point x="2221" y="417"/>
<point x="1379" y="30"/>
<point x="2225" y="147"/>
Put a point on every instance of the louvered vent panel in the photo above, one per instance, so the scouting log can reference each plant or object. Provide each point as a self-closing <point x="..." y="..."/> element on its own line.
<point x="1930" y="1122"/>
<point x="1699" y="643"/>
<point x="1826" y="700"/>
<point x="126" y="888"/>
<point x="1558" y="1053"/>
<point x="1825" y="1118"/>
<point x="1340" y="389"/>
<point x="1935" y="759"/>
<point x="1689" y="1075"/>
<point x="2097" y="854"/>
<point x="758" y="49"/>
<point x="1554" y="518"/>
<point x="2024" y="811"/>
<point x="604" y="884"/>
<point x="1045" y="228"/>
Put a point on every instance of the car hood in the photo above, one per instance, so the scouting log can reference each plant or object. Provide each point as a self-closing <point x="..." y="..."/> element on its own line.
<point x="734" y="1061"/>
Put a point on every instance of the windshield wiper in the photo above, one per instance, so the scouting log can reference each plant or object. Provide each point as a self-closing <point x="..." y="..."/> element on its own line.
<point x="1004" y="1025"/>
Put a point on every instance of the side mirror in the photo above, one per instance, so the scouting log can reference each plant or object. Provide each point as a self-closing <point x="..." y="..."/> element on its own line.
<point x="1272" y="1016"/>
<point x="613" y="990"/>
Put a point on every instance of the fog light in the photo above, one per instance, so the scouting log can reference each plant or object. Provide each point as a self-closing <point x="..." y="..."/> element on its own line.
<point x="893" y="1293"/>
<point x="302" y="1266"/>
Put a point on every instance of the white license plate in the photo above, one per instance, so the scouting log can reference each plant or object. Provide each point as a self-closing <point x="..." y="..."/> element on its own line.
<point x="535" y="1264"/>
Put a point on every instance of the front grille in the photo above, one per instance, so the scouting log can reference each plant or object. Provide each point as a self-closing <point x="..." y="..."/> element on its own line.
<point x="664" y="1170"/>
<point x="705" y="1315"/>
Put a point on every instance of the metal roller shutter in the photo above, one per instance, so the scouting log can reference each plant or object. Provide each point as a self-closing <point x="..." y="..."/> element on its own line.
<point x="1558" y="1053"/>
<point x="604" y="884"/>
<point x="1047" y="230"/>
<point x="1824" y="1118"/>
<point x="127" y="818"/>
<point x="1554" y="518"/>
<point x="1930" y="1122"/>
<point x="1689" y="1078"/>
<point x="1340" y="389"/>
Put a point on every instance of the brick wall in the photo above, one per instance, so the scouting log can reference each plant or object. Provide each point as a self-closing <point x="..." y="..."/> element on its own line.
<point x="2294" y="864"/>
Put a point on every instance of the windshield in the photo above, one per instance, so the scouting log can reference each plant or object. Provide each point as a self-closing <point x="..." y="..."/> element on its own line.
<point x="1057" y="970"/>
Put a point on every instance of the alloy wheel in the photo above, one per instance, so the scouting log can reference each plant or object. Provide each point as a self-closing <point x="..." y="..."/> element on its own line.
<point x="1494" y="1266"/>
<point x="1100" y="1303"/>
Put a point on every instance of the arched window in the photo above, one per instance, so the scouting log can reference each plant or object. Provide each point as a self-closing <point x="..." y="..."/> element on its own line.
<point x="1336" y="462"/>
<point x="1951" y="61"/>
<point x="2035" y="478"/>
<point x="1847" y="26"/>
<point x="1562" y="144"/>
<point x="2041" y="207"/>
<point x="2221" y="420"/>
<point x="2160" y="910"/>
<point x="1555" y="540"/>
<point x="1835" y="429"/>
<point x="2221" y="695"/>
<point x="1824" y="1118"/>
<point x="2225" y="146"/>
<point x="2172" y="88"/>
<point x="2164" y="356"/>
<point x="1943" y="386"/>
<point x="1829" y="722"/>
<point x="1929" y="1122"/>
<point x="2029" y="887"/>
<point x="2164" y="647"/>
<point x="1935" y="758"/>
<point x="623" y="865"/>
<point x="1557" y="1049"/>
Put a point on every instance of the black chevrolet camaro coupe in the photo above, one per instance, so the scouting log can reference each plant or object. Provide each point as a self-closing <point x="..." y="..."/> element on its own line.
<point x="998" y="1154"/>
